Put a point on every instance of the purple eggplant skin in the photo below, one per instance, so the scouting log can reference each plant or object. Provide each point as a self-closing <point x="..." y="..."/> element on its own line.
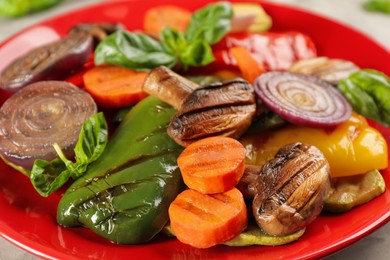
<point x="54" y="61"/>
<point x="99" y="31"/>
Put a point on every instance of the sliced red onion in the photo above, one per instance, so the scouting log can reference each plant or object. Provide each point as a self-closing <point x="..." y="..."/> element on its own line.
<point x="302" y="99"/>
<point x="39" y="115"/>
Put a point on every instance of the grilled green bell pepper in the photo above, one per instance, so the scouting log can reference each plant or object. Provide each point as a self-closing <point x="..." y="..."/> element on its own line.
<point x="125" y="194"/>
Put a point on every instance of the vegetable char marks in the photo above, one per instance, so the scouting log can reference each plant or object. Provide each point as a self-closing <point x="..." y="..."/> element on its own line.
<point x="291" y="189"/>
<point x="38" y="116"/>
<point x="50" y="62"/>
<point x="215" y="109"/>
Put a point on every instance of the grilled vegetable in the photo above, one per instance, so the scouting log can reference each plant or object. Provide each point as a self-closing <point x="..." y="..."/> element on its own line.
<point x="38" y="116"/>
<point x="352" y="191"/>
<point x="249" y="67"/>
<point x="355" y="142"/>
<point x="212" y="165"/>
<point x="204" y="220"/>
<point x="250" y="17"/>
<point x="113" y="86"/>
<point x="302" y="99"/>
<point x="158" y="17"/>
<point x="99" y="31"/>
<point x="50" y="62"/>
<point x="330" y="70"/>
<point x="291" y="189"/>
<point x="168" y="86"/>
<point x="274" y="51"/>
<point x="253" y="235"/>
<point x="248" y="182"/>
<point x="125" y="194"/>
<point x="216" y="109"/>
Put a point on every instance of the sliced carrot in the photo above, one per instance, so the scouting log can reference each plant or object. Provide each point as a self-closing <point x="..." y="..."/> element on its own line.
<point x="113" y="86"/>
<point x="166" y="15"/>
<point x="202" y="220"/>
<point x="248" y="66"/>
<point x="212" y="165"/>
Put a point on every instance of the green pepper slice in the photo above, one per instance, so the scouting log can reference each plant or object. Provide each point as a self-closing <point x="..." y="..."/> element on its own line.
<point x="125" y="194"/>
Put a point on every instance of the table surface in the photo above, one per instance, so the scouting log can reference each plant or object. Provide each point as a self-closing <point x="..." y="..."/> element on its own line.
<point x="350" y="12"/>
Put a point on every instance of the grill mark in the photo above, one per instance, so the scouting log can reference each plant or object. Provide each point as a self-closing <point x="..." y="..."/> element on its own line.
<point x="209" y="110"/>
<point x="183" y="125"/>
<point x="130" y="163"/>
<point x="105" y="197"/>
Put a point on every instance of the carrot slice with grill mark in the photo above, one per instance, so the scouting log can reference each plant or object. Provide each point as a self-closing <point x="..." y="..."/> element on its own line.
<point x="202" y="220"/>
<point x="213" y="164"/>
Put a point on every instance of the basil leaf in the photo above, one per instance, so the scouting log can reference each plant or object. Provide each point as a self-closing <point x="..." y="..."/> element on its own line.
<point x="361" y="101"/>
<point x="173" y="41"/>
<point x="197" y="53"/>
<point x="92" y="139"/>
<point x="368" y="91"/>
<point x="47" y="177"/>
<point x="378" y="6"/>
<point x="192" y="48"/>
<point x="17" y="8"/>
<point x="210" y="23"/>
<point x="132" y="50"/>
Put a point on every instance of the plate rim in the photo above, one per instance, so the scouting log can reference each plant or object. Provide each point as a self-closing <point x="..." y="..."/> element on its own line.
<point x="31" y="246"/>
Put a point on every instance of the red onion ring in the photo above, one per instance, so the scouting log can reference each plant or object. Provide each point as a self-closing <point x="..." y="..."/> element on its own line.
<point x="302" y="99"/>
<point x="39" y="115"/>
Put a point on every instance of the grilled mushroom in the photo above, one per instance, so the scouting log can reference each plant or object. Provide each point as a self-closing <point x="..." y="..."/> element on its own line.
<point x="168" y="86"/>
<point x="221" y="108"/>
<point x="291" y="189"/>
<point x="248" y="181"/>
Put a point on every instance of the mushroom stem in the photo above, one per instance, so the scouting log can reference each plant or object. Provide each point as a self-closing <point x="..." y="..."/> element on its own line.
<point x="168" y="86"/>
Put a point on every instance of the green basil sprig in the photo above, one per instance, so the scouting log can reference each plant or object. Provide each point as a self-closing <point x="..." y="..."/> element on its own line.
<point x="210" y="23"/>
<point x="378" y="6"/>
<point x="17" y="8"/>
<point x="368" y="91"/>
<point x="191" y="48"/>
<point x="47" y="177"/>
<point x="132" y="50"/>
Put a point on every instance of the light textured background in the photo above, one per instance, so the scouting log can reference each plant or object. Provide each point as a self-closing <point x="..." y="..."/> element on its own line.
<point x="375" y="246"/>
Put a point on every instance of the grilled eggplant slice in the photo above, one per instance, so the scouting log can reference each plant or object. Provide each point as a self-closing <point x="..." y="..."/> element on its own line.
<point x="329" y="70"/>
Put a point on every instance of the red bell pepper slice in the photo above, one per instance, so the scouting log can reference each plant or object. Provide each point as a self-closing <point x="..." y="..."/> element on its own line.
<point x="273" y="50"/>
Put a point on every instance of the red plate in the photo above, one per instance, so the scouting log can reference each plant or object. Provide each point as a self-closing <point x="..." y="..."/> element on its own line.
<point x="29" y="220"/>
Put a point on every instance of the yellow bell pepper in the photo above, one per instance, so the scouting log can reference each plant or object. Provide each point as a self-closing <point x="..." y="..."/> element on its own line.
<point x="351" y="148"/>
